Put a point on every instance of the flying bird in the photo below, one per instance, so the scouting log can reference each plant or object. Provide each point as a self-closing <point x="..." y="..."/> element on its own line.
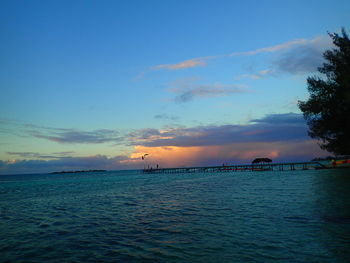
<point x="144" y="156"/>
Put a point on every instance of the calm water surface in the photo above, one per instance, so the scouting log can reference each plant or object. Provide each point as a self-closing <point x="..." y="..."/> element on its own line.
<point x="298" y="216"/>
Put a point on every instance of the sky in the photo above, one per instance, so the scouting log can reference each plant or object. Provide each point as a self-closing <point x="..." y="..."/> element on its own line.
<point x="98" y="84"/>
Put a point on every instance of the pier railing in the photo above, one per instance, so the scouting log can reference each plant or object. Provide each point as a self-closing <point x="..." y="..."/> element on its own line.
<point x="239" y="168"/>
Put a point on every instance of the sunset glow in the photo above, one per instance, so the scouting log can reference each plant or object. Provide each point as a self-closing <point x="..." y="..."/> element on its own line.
<point x="86" y="84"/>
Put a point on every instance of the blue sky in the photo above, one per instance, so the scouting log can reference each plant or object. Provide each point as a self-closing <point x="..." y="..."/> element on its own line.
<point x="103" y="82"/>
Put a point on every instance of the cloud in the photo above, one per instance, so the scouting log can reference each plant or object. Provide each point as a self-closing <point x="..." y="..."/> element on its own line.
<point x="36" y="155"/>
<point x="191" y="63"/>
<point x="61" y="135"/>
<point x="11" y="126"/>
<point x="272" y="128"/>
<point x="166" y="117"/>
<point x="306" y="48"/>
<point x="207" y="91"/>
<point x="305" y="58"/>
<point x="187" y="90"/>
<point x="75" y="136"/>
<point x="261" y="74"/>
<point x="145" y="133"/>
<point x="270" y="49"/>
<point x="281" y="137"/>
<point x="282" y="119"/>
<point x="278" y="136"/>
<point x="300" y="58"/>
<point x="201" y="61"/>
<point x="173" y="156"/>
<point x="64" y="164"/>
<point x="233" y="153"/>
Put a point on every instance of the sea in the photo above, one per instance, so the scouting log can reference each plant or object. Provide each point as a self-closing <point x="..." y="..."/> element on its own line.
<point x="127" y="216"/>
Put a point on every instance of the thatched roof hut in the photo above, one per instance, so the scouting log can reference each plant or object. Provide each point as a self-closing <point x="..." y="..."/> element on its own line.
<point x="261" y="160"/>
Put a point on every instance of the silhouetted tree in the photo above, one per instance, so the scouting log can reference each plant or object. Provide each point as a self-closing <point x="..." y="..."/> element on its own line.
<point x="327" y="111"/>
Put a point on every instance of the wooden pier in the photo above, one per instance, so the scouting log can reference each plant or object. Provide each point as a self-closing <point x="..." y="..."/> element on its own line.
<point x="240" y="168"/>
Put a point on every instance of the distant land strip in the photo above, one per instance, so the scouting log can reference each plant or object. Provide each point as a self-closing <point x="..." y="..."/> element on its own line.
<point x="80" y="171"/>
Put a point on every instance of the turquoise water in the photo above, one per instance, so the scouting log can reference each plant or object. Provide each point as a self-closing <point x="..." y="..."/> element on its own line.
<point x="297" y="216"/>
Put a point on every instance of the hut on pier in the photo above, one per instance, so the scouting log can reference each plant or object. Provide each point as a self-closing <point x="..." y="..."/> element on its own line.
<point x="261" y="160"/>
<point x="261" y="164"/>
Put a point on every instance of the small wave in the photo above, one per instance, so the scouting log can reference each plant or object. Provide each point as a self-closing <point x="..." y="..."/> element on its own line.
<point x="297" y="219"/>
<point x="337" y="219"/>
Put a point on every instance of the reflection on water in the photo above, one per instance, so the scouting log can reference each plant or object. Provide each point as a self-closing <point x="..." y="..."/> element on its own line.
<point x="297" y="216"/>
<point x="333" y="204"/>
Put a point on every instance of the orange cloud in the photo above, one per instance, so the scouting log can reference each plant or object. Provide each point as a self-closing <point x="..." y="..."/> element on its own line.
<point x="174" y="156"/>
<point x="168" y="156"/>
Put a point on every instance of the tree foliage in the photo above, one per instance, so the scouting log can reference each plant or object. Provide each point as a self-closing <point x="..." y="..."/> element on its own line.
<point x="327" y="111"/>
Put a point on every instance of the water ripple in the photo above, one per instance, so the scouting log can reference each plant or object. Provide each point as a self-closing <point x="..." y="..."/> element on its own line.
<point x="260" y="217"/>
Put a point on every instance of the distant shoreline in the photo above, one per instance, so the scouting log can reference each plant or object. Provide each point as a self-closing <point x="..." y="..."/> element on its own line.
<point x="79" y="171"/>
